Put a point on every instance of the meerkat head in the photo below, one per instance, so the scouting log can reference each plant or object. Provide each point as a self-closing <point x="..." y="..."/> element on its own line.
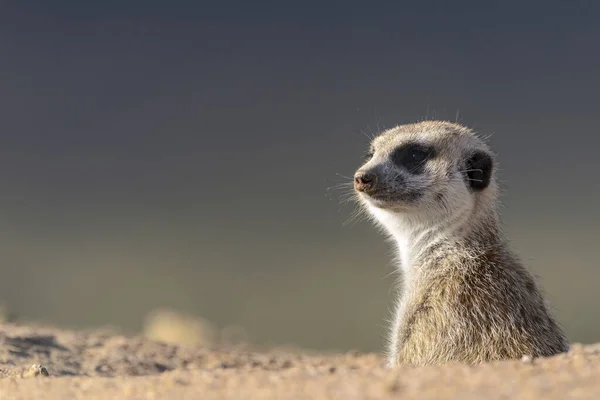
<point x="430" y="169"/>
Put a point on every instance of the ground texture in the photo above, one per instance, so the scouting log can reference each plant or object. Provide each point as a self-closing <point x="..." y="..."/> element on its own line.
<point x="40" y="362"/>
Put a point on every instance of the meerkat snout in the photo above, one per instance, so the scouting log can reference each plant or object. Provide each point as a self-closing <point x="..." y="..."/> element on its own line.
<point x="365" y="181"/>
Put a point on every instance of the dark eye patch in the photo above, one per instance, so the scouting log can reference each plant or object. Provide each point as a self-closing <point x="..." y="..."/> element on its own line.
<point x="412" y="156"/>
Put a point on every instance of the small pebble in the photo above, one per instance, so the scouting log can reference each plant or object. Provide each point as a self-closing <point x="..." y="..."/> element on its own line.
<point x="527" y="359"/>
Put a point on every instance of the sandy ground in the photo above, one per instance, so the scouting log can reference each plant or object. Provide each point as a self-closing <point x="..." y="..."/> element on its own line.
<point x="48" y="363"/>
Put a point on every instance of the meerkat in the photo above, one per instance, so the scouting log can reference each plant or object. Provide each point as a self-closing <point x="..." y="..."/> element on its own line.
<point x="464" y="296"/>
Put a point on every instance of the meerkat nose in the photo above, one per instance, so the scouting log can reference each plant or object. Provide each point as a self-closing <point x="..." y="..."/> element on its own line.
<point x="364" y="181"/>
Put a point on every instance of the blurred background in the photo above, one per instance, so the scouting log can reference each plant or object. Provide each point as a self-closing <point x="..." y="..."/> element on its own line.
<point x="179" y="154"/>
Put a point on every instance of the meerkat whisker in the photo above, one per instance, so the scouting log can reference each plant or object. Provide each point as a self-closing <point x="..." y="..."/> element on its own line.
<point x="344" y="176"/>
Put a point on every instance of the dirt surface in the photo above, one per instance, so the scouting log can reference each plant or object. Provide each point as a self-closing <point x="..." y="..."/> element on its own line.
<point x="40" y="362"/>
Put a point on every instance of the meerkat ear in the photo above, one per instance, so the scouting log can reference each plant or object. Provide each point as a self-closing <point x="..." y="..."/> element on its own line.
<point x="479" y="170"/>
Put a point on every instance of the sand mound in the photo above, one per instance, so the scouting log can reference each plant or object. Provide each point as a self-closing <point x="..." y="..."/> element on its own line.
<point x="106" y="365"/>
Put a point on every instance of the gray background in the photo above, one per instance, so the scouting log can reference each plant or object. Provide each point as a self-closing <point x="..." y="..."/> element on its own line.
<point x="179" y="154"/>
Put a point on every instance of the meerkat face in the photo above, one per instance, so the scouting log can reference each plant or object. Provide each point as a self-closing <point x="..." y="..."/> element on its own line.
<point x="432" y="166"/>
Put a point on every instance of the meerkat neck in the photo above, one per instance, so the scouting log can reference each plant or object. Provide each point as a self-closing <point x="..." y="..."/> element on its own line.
<point x="416" y="235"/>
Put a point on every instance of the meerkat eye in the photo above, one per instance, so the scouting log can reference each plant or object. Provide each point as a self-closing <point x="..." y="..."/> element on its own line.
<point x="412" y="157"/>
<point x="368" y="156"/>
<point x="418" y="155"/>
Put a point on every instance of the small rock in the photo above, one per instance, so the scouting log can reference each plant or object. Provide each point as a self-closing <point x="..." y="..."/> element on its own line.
<point x="35" y="370"/>
<point x="393" y="384"/>
<point x="527" y="360"/>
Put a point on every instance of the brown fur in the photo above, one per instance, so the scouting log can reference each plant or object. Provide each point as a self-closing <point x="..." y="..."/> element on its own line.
<point x="474" y="304"/>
